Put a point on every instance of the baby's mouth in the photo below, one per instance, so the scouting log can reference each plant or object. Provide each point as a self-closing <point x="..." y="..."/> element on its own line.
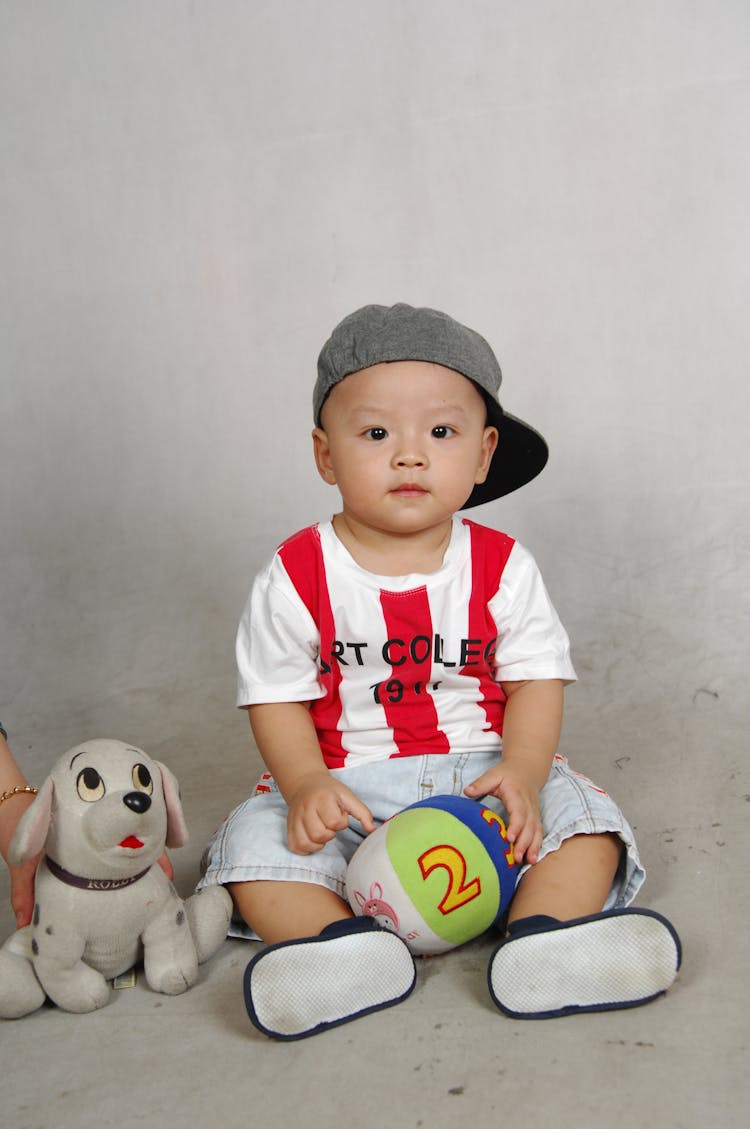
<point x="410" y="489"/>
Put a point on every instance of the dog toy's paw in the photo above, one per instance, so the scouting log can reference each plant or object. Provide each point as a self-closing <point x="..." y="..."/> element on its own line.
<point x="209" y="913"/>
<point x="79" y="990"/>
<point x="169" y="957"/>
<point x="20" y="991"/>
<point x="173" y="980"/>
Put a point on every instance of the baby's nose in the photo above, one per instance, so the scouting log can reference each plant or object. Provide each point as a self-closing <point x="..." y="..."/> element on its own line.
<point x="411" y="458"/>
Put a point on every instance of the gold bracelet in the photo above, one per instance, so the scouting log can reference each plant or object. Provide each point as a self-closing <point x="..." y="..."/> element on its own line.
<point x="19" y="790"/>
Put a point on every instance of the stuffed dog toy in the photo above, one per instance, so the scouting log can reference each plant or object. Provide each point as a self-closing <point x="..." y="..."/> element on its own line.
<point x="102" y="902"/>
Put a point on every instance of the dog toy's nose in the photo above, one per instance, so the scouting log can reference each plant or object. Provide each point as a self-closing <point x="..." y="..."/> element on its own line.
<point x="137" y="801"/>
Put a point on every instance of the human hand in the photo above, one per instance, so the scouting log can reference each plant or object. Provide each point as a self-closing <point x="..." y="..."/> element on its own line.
<point x="319" y="807"/>
<point x="22" y="891"/>
<point x="21" y="798"/>
<point x="512" y="784"/>
<point x="166" y="864"/>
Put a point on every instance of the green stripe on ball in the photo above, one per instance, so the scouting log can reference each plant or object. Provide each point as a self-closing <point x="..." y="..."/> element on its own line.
<point x="445" y="871"/>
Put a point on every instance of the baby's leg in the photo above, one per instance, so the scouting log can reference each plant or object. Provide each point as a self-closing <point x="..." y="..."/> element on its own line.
<point x="572" y="881"/>
<point x="283" y="911"/>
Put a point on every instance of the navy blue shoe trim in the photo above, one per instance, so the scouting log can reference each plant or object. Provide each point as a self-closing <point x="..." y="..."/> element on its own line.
<point x="346" y="926"/>
<point x="537" y="923"/>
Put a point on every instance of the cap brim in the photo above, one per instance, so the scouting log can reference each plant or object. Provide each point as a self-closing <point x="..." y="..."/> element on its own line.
<point x="520" y="456"/>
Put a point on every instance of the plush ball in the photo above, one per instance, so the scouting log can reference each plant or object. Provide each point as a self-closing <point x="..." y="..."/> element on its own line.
<point x="438" y="873"/>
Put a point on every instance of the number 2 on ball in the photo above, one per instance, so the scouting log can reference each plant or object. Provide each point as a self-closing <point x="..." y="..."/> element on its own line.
<point x="459" y="891"/>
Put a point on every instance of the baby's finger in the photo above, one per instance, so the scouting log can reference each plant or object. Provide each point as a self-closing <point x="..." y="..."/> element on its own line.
<point x="307" y="834"/>
<point x="517" y="820"/>
<point x="353" y="806"/>
<point x="338" y="820"/>
<point x="532" y="855"/>
<point x="326" y="818"/>
<point x="321" y="830"/>
<point x="484" y="785"/>
<point x="529" y="842"/>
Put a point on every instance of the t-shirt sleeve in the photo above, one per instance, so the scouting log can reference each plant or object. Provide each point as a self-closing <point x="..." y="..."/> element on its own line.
<point x="532" y="642"/>
<point x="277" y="643"/>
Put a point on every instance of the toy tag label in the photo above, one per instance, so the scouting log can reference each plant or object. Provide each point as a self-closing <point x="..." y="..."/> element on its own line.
<point x="125" y="980"/>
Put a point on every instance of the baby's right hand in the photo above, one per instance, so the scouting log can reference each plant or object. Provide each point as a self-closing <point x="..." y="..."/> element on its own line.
<point x="321" y="806"/>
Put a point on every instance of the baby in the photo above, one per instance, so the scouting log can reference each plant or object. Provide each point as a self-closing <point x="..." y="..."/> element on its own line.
<point x="400" y="651"/>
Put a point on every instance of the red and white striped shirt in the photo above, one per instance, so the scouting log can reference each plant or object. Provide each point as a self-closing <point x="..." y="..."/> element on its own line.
<point x="399" y="666"/>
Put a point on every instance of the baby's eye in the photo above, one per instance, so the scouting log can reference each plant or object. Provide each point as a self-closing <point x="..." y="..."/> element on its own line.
<point x="442" y="431"/>
<point x="376" y="433"/>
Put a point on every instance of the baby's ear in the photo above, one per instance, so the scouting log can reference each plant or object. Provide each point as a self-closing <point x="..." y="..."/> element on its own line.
<point x="489" y="446"/>
<point x="322" y="452"/>
<point x="31" y="832"/>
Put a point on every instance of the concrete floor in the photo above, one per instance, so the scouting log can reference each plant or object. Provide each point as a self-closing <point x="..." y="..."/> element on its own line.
<point x="446" y="1056"/>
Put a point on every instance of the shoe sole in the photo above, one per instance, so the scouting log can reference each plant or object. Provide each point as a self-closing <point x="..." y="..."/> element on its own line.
<point x="619" y="959"/>
<point x="300" y="988"/>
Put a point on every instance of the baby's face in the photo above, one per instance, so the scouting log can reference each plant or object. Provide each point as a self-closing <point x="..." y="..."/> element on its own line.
<point x="405" y="443"/>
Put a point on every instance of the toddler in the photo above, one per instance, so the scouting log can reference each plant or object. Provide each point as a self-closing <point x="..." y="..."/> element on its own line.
<point x="400" y="651"/>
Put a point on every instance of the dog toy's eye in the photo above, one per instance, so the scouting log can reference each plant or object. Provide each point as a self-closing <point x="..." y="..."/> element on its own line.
<point x="142" y="779"/>
<point x="90" y="785"/>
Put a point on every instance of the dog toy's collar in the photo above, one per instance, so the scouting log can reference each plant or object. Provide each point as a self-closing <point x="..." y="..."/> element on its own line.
<point x="92" y="883"/>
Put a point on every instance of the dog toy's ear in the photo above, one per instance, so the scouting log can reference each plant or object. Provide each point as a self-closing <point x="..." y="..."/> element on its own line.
<point x="31" y="832"/>
<point x="177" y="832"/>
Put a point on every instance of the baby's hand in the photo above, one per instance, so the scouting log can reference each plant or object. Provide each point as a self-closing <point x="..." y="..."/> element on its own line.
<point x="319" y="808"/>
<point x="511" y="784"/>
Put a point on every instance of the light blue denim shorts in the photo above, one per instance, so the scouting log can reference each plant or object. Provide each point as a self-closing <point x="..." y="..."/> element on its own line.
<point x="251" y="844"/>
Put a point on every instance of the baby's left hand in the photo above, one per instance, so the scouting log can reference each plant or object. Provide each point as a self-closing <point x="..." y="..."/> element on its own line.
<point x="511" y="784"/>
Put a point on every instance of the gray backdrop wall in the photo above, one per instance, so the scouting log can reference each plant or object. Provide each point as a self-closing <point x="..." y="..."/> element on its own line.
<point x="192" y="194"/>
